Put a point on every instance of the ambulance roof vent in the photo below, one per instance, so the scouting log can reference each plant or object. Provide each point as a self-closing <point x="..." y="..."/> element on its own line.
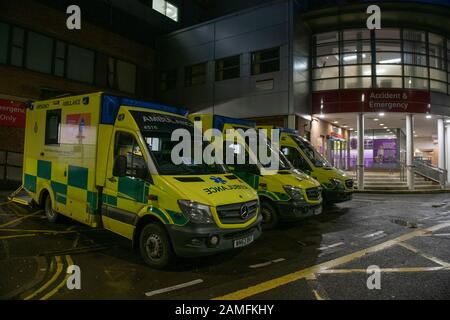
<point x="111" y="105"/>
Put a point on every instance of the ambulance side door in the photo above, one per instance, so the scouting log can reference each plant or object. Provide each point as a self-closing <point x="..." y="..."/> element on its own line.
<point x="126" y="188"/>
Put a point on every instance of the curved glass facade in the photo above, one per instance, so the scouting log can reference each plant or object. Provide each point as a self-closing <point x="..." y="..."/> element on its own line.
<point x="386" y="58"/>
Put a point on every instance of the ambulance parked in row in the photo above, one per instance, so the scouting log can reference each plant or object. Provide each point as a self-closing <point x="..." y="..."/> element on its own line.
<point x="285" y="194"/>
<point x="337" y="185"/>
<point x="105" y="161"/>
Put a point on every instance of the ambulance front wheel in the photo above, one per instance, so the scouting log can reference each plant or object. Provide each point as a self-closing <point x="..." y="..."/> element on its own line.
<point x="155" y="246"/>
<point x="269" y="215"/>
<point x="52" y="215"/>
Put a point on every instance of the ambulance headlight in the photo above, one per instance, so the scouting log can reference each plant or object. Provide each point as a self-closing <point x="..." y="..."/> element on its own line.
<point x="294" y="192"/>
<point x="196" y="212"/>
<point x="337" y="184"/>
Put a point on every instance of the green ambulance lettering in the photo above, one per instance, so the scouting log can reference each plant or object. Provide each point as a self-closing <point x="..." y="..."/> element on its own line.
<point x="213" y="190"/>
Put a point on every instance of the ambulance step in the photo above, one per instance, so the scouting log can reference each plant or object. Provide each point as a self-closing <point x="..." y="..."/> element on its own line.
<point x="20" y="196"/>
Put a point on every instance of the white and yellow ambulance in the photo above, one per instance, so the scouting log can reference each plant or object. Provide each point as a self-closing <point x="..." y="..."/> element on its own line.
<point x="285" y="194"/>
<point x="336" y="184"/>
<point x="105" y="161"/>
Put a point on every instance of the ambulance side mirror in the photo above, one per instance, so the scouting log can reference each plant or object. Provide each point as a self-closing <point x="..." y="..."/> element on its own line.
<point x="120" y="167"/>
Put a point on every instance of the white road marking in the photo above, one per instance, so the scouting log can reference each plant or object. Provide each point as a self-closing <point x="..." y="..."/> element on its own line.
<point x="265" y="264"/>
<point x="425" y="255"/>
<point x="375" y="234"/>
<point x="427" y="218"/>
<point x="440" y="235"/>
<point x="173" y="288"/>
<point x="331" y="246"/>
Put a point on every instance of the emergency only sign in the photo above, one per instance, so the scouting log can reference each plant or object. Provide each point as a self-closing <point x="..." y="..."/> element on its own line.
<point x="12" y="114"/>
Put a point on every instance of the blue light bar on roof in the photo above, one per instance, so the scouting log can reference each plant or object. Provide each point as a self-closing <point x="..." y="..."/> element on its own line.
<point x="111" y="105"/>
<point x="289" y="131"/>
<point x="220" y="121"/>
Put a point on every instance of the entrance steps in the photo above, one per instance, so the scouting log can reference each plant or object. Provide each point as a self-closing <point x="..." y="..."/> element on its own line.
<point x="392" y="182"/>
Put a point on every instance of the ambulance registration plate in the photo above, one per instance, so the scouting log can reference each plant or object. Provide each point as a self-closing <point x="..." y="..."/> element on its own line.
<point x="244" y="241"/>
<point x="317" y="211"/>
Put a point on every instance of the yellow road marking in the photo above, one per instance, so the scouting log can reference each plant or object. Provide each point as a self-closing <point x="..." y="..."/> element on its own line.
<point x="19" y="219"/>
<point x="59" y="267"/>
<point x="295" y="276"/>
<point x="38" y="231"/>
<point x="317" y="295"/>
<point x="62" y="283"/>
<point x="18" y="236"/>
<point x="385" y="270"/>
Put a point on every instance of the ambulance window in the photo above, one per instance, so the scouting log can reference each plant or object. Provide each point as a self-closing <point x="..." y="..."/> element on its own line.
<point x="154" y="144"/>
<point x="52" y="127"/>
<point x="296" y="159"/>
<point x="126" y="145"/>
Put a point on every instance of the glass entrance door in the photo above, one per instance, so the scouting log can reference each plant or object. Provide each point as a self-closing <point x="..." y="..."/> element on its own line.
<point x="337" y="153"/>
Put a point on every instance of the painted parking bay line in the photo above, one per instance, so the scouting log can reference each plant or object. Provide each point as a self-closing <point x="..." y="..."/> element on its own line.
<point x="375" y="234"/>
<point x="265" y="264"/>
<point x="331" y="246"/>
<point x="385" y="270"/>
<point x="174" y="288"/>
<point x="309" y="272"/>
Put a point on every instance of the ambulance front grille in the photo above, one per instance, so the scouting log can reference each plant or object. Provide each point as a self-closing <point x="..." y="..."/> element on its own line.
<point x="313" y="193"/>
<point x="238" y="213"/>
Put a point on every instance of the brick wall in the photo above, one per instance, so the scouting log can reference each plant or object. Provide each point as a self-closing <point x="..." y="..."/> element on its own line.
<point x="22" y="84"/>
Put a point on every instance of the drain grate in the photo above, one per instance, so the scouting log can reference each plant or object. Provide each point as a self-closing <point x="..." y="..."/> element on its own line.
<point x="404" y="223"/>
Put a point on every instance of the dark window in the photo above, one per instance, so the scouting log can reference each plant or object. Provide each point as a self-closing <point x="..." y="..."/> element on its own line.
<point x="266" y="61"/>
<point x="80" y="64"/>
<point x="112" y="72"/>
<point x="228" y="68"/>
<point x="168" y="80"/>
<point x="195" y="75"/>
<point x="52" y="127"/>
<point x="296" y="159"/>
<point x="60" y="59"/>
<point x="126" y="76"/>
<point x="17" y="47"/>
<point x="4" y="40"/>
<point x="39" y="53"/>
<point x="121" y="75"/>
<point x="127" y="146"/>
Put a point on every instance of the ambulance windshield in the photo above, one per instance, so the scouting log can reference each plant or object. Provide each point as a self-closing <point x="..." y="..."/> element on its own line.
<point x="157" y="130"/>
<point x="315" y="157"/>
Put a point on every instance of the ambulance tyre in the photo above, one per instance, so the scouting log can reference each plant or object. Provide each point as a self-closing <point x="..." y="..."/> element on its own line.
<point x="156" y="247"/>
<point x="52" y="215"/>
<point x="269" y="214"/>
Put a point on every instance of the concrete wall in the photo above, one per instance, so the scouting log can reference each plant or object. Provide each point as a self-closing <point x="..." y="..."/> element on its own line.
<point x="302" y="101"/>
<point x="260" y="28"/>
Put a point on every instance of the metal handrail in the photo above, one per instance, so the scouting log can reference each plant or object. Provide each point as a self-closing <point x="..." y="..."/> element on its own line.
<point x="425" y="169"/>
<point x="402" y="167"/>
